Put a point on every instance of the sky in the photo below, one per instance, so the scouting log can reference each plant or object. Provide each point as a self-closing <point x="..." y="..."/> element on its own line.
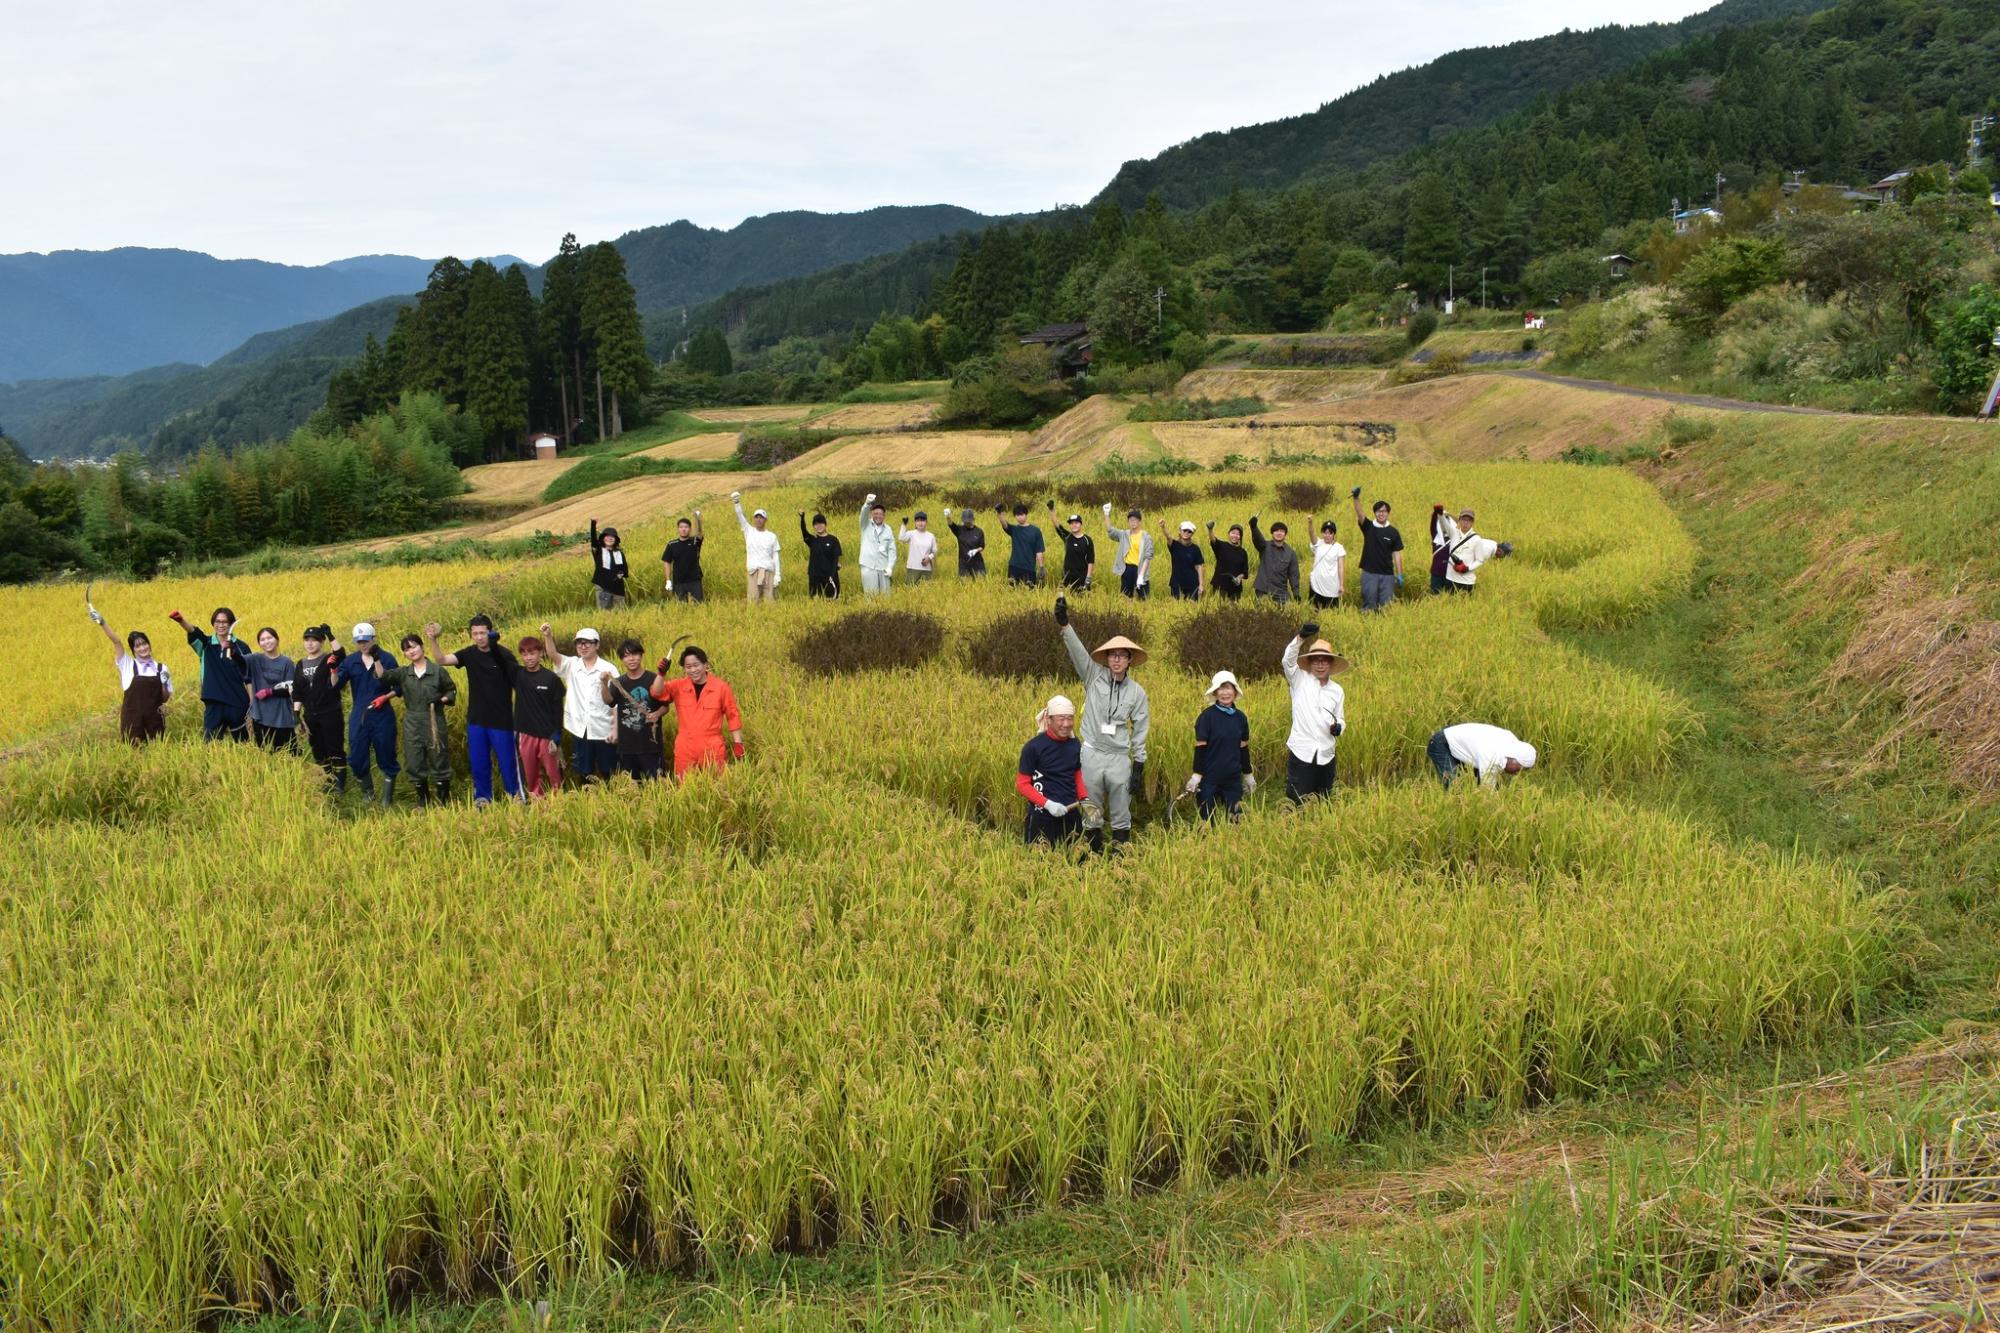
<point x="305" y="133"/>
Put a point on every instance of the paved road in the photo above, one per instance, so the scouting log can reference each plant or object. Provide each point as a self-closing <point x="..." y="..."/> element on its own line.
<point x="1667" y="396"/>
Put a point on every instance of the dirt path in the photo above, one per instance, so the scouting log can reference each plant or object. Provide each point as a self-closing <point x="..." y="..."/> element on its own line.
<point x="1668" y="396"/>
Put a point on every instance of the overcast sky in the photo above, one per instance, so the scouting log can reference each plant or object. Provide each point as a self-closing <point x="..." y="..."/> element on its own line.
<point x="311" y="132"/>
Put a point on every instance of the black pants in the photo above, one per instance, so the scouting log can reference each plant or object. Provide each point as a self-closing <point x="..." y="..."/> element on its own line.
<point x="689" y="591"/>
<point x="1074" y="581"/>
<point x="1041" y="827"/>
<point x="1326" y="603"/>
<point x="1304" y="779"/>
<point x="276" y="738"/>
<point x="642" y="767"/>
<point x="1128" y="583"/>
<point x="327" y="734"/>
<point x="1027" y="578"/>
<point x="1185" y="592"/>
<point x="822" y="585"/>
<point x="1229" y="588"/>
<point x="1226" y="793"/>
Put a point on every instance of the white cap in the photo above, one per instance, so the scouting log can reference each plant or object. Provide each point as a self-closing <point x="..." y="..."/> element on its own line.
<point x="758" y="513"/>
<point x="587" y="633"/>
<point x="1187" y="525"/>
<point x="1220" y="679"/>
<point x="363" y="631"/>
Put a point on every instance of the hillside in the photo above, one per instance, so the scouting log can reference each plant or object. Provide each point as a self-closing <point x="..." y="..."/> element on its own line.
<point x="110" y="312"/>
<point x="1412" y="107"/>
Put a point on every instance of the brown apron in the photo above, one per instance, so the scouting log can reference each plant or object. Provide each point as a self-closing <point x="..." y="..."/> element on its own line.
<point x="139" y="715"/>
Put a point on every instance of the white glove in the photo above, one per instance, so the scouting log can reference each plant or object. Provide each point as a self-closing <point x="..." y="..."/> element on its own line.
<point x="1107" y="508"/>
<point x="1249" y="784"/>
<point x="95" y="618"/>
<point x="1193" y="784"/>
<point x="870" y="499"/>
<point x="736" y="495"/>
<point x="1055" y="809"/>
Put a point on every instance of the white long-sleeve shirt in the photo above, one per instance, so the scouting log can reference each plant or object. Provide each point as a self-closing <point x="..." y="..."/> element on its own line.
<point x="1315" y="709"/>
<point x="1326" y="558"/>
<point x="923" y="547"/>
<point x="1486" y="749"/>
<point x="1469" y="547"/>
<point x="878" y="544"/>
<point x="760" y="545"/>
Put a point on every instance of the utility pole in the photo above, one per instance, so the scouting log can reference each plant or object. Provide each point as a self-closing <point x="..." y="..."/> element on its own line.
<point x="1482" y="286"/>
<point x="1159" y="310"/>
<point x="1450" y="285"/>
<point x="1718" y="192"/>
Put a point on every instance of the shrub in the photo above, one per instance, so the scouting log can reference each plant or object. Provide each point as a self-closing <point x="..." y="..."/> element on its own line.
<point x="1306" y="497"/>
<point x="1244" y="637"/>
<point x="848" y="497"/>
<point x="1722" y="274"/>
<point x="1164" y="465"/>
<point x="1027" y="645"/>
<point x="1127" y="493"/>
<point x="873" y="640"/>
<point x="1195" y="409"/>
<point x="1422" y="325"/>
<point x="1436" y="367"/>
<point x="1685" y="429"/>
<point x="1231" y="490"/>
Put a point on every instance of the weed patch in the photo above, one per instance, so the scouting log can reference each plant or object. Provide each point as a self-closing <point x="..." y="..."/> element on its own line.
<point x="1244" y="637"/>
<point x="1026" y="645"/>
<point x="873" y="640"/>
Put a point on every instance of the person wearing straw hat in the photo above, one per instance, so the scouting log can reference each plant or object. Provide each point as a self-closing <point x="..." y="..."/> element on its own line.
<point x="971" y="544"/>
<point x="1490" y="752"/>
<point x="1184" y="579"/>
<point x="1221" y="751"/>
<point x="878" y="549"/>
<point x="1079" y="553"/>
<point x="1116" y="720"/>
<point x="1050" y="777"/>
<point x="822" y="557"/>
<point x="760" y="553"/>
<point x="1319" y="714"/>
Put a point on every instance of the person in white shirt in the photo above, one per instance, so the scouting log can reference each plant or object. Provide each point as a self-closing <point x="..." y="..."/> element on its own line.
<point x="1458" y="551"/>
<point x="1488" y="751"/>
<point x="760" y="552"/>
<point x="1329" y="567"/>
<point x="923" y="546"/>
<point x="1319" y="714"/>
<point x="590" y="720"/>
<point x="878" y="549"/>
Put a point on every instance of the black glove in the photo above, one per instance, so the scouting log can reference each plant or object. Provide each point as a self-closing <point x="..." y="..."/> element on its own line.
<point x="1356" y="492"/>
<point x="1339" y="727"/>
<point x="1062" y="611"/>
<point x="1307" y="630"/>
<point x="1138" y="777"/>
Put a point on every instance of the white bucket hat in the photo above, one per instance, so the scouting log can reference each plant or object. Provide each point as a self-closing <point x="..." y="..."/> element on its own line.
<point x="1220" y="679"/>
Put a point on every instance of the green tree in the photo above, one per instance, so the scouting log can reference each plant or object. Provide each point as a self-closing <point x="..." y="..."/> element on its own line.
<point x="561" y="326"/>
<point x="1430" y="235"/>
<point x="496" y="359"/>
<point x="434" y="333"/>
<point x="614" y="334"/>
<point x="1964" y="345"/>
<point x="1561" y="277"/>
<point x="1721" y="274"/>
<point x="708" y="352"/>
<point x="1122" y="311"/>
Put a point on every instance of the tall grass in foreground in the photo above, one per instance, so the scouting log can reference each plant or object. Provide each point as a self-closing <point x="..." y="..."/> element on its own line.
<point x="323" y="1062"/>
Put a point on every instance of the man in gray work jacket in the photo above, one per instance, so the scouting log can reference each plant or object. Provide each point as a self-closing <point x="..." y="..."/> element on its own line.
<point x="1116" y="719"/>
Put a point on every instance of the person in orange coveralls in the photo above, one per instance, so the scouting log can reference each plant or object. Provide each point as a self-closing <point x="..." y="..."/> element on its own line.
<point x="703" y="705"/>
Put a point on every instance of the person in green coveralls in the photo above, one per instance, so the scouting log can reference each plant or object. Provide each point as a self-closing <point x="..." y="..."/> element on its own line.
<point x="427" y="690"/>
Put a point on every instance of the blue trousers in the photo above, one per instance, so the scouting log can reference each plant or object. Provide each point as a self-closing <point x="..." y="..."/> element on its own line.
<point x="219" y="720"/>
<point x="483" y="746"/>
<point x="592" y="761"/>
<point x="1439" y="752"/>
<point x="372" y="731"/>
<point x="1226" y="792"/>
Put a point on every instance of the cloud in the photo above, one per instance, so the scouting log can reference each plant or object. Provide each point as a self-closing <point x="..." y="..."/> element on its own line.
<point x="312" y="132"/>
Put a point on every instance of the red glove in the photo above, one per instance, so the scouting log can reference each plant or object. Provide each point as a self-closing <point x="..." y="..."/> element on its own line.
<point x="1437" y="509"/>
<point x="174" y="616"/>
<point x="379" y="701"/>
<point x="264" y="694"/>
<point x="661" y="666"/>
<point x="736" y="750"/>
<point x="1460" y="566"/>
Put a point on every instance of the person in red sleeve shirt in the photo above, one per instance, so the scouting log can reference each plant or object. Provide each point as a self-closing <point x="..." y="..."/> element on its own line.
<point x="703" y="706"/>
<point x="1050" y="777"/>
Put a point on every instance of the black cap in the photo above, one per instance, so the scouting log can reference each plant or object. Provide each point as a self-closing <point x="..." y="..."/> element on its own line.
<point x="819" y="518"/>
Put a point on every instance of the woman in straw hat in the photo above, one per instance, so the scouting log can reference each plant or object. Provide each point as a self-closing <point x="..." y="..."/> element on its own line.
<point x="1116" y="720"/>
<point x="1319" y="713"/>
<point x="1221" y="751"/>
<point x="1050" y="776"/>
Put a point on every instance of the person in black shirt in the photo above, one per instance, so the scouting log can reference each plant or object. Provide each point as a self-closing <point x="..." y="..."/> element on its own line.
<point x="822" y="557"/>
<point x="316" y="700"/>
<point x="1184" y="557"/>
<point x="538" y="714"/>
<point x="1381" y="555"/>
<point x="639" y="750"/>
<point x="608" y="571"/>
<point x="489" y="720"/>
<point x="1232" y="561"/>
<point x="971" y="544"/>
<point x="681" y="561"/>
<point x="1079" y="554"/>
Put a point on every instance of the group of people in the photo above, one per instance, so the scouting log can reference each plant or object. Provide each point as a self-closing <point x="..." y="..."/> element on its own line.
<point x="520" y="704"/>
<point x="1284" y="573"/>
<point x="1079" y="775"/>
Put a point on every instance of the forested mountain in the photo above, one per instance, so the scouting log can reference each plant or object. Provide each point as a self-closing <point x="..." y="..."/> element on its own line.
<point x="109" y="312"/>
<point x="1412" y="107"/>
<point x="260" y="390"/>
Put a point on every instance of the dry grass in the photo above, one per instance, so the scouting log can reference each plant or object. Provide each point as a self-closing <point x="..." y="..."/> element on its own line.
<point x="1078" y="426"/>
<point x="1261" y="438"/>
<point x="628" y="502"/>
<point x="721" y="444"/>
<point x="1472" y="417"/>
<point x="929" y="454"/>
<point x="877" y="416"/>
<point x="514" y="483"/>
<point x="1280" y="387"/>
<point x="745" y="415"/>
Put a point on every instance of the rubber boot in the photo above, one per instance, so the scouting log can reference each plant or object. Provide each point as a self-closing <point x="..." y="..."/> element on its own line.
<point x="1095" y="837"/>
<point x="423" y="792"/>
<point x="1120" y="838"/>
<point x="388" y="791"/>
<point x="340" y="783"/>
<point x="367" y="785"/>
<point x="444" y="791"/>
